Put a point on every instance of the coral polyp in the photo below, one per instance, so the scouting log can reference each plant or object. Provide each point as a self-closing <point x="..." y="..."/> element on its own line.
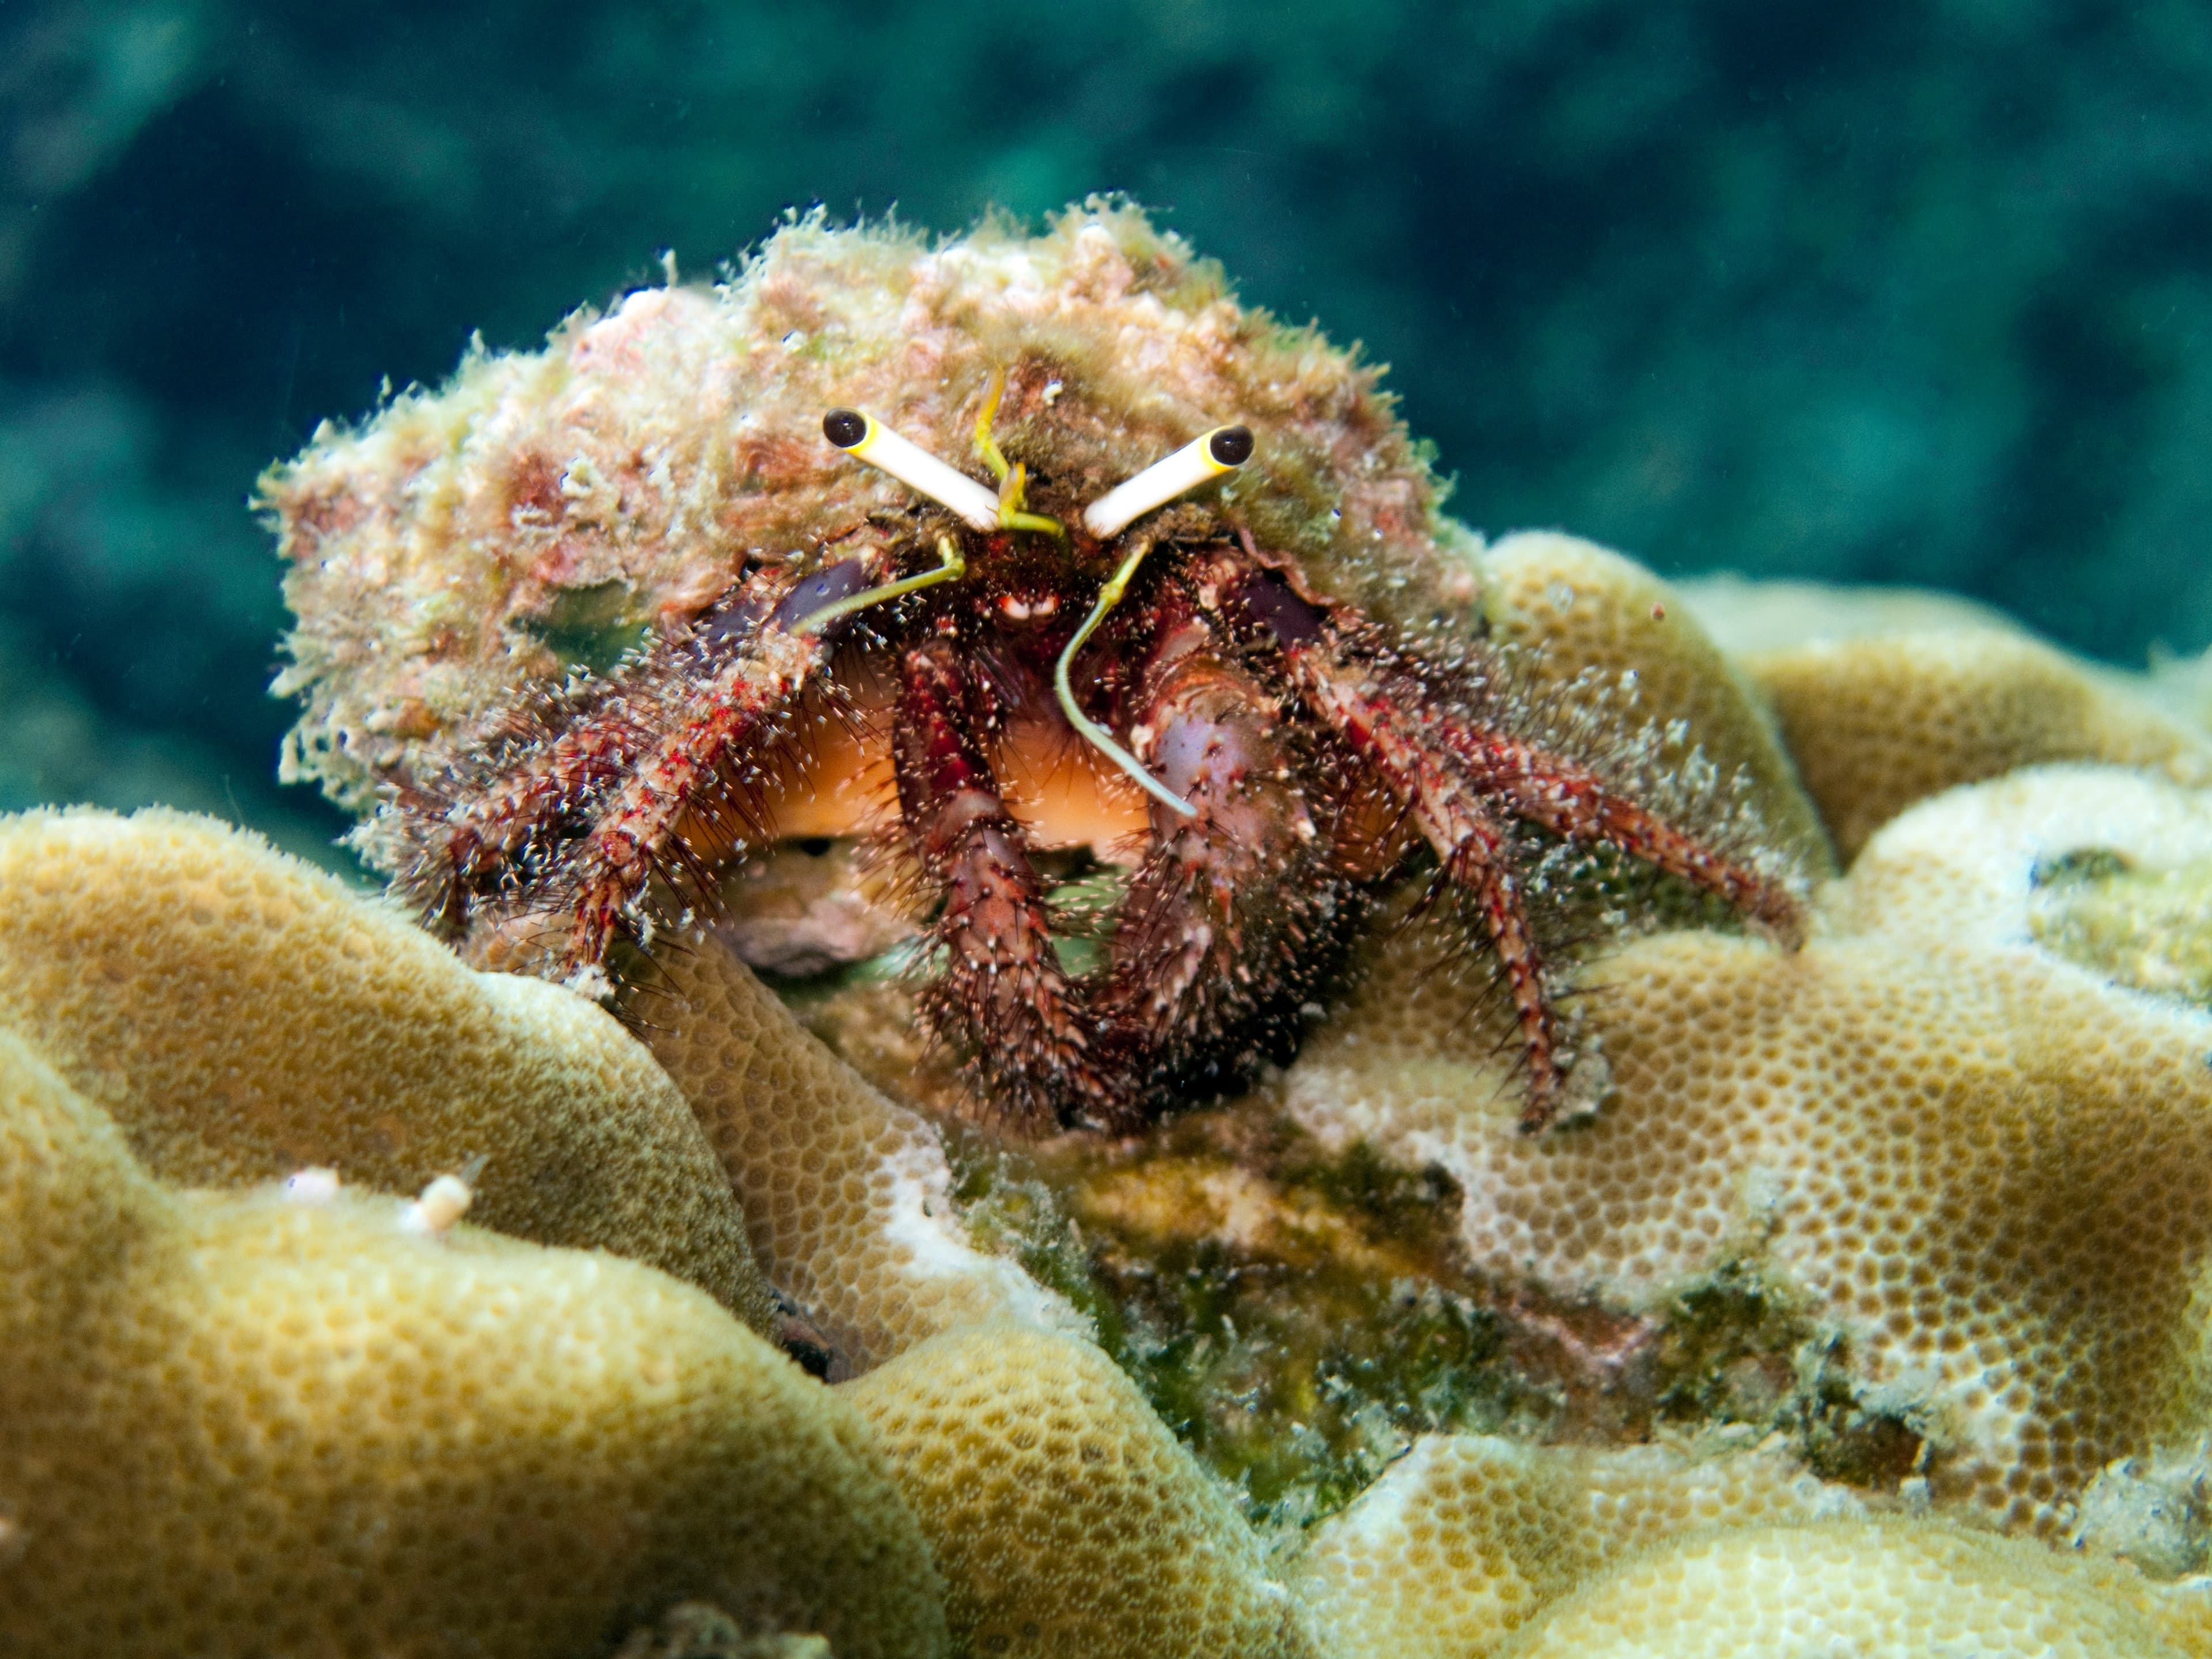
<point x="585" y="625"/>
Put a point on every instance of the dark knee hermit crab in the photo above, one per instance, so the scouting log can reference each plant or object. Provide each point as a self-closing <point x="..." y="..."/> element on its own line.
<point x="571" y="627"/>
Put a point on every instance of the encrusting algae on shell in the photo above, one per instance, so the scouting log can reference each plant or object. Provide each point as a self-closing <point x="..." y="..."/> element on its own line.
<point x="1803" y="1298"/>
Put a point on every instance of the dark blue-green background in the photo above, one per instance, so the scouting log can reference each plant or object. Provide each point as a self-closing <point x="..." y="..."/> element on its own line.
<point x="1900" y="291"/>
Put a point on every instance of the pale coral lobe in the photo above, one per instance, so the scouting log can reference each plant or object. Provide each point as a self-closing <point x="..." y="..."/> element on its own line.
<point x="577" y="631"/>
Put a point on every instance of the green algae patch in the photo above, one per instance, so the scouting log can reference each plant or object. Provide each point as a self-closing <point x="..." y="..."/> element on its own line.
<point x="1296" y="1319"/>
<point x="591" y="627"/>
<point x="2149" y="929"/>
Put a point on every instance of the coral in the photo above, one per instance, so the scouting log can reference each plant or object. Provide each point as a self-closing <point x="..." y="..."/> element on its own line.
<point x="2182" y="686"/>
<point x="847" y="1193"/>
<point x="279" y="1422"/>
<point x="1886" y="699"/>
<point x="1594" y="616"/>
<point x="1295" y="1317"/>
<point x="2144" y="928"/>
<point x="1468" y="1537"/>
<point x="243" y="1015"/>
<point x="698" y="1629"/>
<point x="1066" y="1518"/>
<point x="1886" y="1589"/>
<point x="1927" y="1128"/>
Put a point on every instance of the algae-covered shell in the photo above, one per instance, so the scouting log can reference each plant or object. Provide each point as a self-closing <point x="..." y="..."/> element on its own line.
<point x="549" y="508"/>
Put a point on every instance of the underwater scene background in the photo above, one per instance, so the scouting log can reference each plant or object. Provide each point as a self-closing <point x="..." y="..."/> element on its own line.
<point x="1495" y="1096"/>
<point x="1906" y="294"/>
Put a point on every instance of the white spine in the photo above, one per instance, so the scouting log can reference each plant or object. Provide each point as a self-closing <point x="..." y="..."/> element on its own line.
<point x="915" y="467"/>
<point x="1156" y="485"/>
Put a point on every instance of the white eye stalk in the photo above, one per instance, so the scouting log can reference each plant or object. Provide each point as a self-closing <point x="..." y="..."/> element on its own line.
<point x="1203" y="459"/>
<point x="864" y="436"/>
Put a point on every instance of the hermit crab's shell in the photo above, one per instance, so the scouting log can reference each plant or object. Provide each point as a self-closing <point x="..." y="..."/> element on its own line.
<point x="548" y="510"/>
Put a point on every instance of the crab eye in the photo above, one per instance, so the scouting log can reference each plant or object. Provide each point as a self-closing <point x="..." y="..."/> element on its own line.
<point x="1204" y="457"/>
<point x="869" y="439"/>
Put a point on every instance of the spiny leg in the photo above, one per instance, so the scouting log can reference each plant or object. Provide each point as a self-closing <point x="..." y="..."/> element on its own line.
<point x="1575" y="804"/>
<point x="1238" y="912"/>
<point x="1001" y="997"/>
<point x="1470" y="843"/>
<point x="493" y="821"/>
<point x="492" y="825"/>
<point x="1449" y="770"/>
<point x="729" y="718"/>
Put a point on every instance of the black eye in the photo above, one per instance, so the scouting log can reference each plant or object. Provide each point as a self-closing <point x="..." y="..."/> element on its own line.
<point x="1232" y="446"/>
<point x="847" y="427"/>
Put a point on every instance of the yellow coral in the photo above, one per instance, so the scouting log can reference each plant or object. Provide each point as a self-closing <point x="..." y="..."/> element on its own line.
<point x="257" y="1423"/>
<point x="1947" y="1141"/>
<point x="1594" y="613"/>
<point x="1872" y="1589"/>
<point x="848" y="1194"/>
<point x="1469" y="1536"/>
<point x="1066" y="1518"/>
<point x="1885" y="701"/>
<point x="242" y="1016"/>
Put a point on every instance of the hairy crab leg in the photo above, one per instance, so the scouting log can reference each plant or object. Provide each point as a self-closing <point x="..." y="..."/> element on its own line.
<point x="1448" y="770"/>
<point x="1237" y="914"/>
<point x="484" y="829"/>
<point x="1470" y="842"/>
<point x="1574" y="804"/>
<point x="504" y="816"/>
<point x="737" y="709"/>
<point x="1002" y="995"/>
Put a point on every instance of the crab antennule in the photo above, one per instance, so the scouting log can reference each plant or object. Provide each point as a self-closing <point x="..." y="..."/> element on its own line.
<point x="1093" y="734"/>
<point x="1202" y="460"/>
<point x="952" y="566"/>
<point x="868" y="438"/>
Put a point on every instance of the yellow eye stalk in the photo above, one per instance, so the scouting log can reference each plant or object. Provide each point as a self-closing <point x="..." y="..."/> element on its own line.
<point x="1202" y="460"/>
<point x="868" y="438"/>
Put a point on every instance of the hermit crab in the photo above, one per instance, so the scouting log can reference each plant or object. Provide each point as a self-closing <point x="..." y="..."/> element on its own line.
<point x="1052" y="542"/>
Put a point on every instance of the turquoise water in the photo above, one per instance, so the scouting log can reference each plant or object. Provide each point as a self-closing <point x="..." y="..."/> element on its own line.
<point x="1889" y="293"/>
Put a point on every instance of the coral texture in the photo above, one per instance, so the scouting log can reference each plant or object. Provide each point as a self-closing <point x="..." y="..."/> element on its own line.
<point x="1874" y="1590"/>
<point x="848" y="1192"/>
<point x="243" y="1015"/>
<point x="1928" y="1125"/>
<point x="1065" y="1517"/>
<point x="1886" y="701"/>
<point x="267" y="1423"/>
<point x="1467" y="1537"/>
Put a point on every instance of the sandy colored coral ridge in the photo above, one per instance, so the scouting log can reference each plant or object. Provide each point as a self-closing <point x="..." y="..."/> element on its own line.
<point x="243" y="1015"/>
<point x="1941" y="1134"/>
<point x="1884" y="699"/>
<point x="1065" y="1515"/>
<point x="1885" y="1590"/>
<point x="259" y="1423"/>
